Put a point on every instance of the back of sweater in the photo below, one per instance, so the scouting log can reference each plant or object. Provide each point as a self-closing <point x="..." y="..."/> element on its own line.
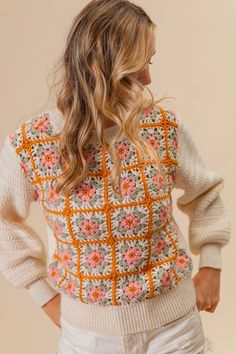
<point x="106" y="249"/>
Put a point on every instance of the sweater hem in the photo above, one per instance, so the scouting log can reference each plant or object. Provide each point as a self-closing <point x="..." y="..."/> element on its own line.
<point x="127" y="319"/>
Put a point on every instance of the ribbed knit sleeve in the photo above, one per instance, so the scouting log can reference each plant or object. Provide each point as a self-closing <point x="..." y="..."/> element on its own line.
<point x="209" y="222"/>
<point x="22" y="253"/>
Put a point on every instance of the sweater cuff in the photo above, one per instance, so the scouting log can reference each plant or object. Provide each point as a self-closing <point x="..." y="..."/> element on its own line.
<point x="210" y="256"/>
<point x="41" y="291"/>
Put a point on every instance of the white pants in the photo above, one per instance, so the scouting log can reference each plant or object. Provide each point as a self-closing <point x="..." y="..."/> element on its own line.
<point x="182" y="336"/>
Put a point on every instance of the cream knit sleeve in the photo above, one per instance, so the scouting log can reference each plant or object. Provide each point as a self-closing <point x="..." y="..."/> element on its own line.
<point x="209" y="223"/>
<point x="22" y="253"/>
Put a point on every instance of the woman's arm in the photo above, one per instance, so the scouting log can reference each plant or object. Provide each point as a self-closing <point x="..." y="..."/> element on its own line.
<point x="22" y="253"/>
<point x="210" y="225"/>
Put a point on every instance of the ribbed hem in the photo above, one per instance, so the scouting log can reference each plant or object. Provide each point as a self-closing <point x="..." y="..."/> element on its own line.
<point x="210" y="256"/>
<point x="126" y="319"/>
<point x="41" y="291"/>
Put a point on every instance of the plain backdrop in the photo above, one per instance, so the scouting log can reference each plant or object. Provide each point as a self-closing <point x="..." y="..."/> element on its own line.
<point x="194" y="63"/>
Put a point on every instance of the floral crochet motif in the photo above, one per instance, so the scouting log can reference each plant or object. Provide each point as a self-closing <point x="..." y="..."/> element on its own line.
<point x="111" y="249"/>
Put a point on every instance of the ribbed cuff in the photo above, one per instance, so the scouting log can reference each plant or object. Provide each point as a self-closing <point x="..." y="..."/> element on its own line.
<point x="41" y="291"/>
<point x="210" y="256"/>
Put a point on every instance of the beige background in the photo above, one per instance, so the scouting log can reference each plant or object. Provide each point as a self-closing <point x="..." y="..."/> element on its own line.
<point x="195" y="63"/>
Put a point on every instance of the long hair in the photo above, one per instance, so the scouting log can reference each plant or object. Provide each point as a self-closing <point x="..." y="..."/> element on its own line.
<point x="108" y="42"/>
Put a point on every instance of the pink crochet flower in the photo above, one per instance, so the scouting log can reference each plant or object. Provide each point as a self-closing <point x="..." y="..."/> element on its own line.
<point x="66" y="256"/>
<point x="52" y="196"/>
<point x="130" y="221"/>
<point x="54" y="274"/>
<point x="153" y="141"/>
<point x="70" y="287"/>
<point x="163" y="214"/>
<point x="133" y="289"/>
<point x="182" y="261"/>
<point x="25" y="168"/>
<point x="127" y="186"/>
<point x="48" y="158"/>
<point x="160" y="244"/>
<point x="96" y="294"/>
<point x="158" y="180"/>
<point x="95" y="258"/>
<point x="86" y="192"/>
<point x="41" y="124"/>
<point x="148" y="111"/>
<point x="89" y="227"/>
<point x="166" y="278"/>
<point x="123" y="149"/>
<point x="132" y="255"/>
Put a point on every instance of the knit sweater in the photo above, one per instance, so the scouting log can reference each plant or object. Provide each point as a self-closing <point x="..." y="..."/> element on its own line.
<point x="121" y="263"/>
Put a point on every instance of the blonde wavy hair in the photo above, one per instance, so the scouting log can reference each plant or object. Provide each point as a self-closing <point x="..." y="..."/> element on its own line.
<point x="108" y="42"/>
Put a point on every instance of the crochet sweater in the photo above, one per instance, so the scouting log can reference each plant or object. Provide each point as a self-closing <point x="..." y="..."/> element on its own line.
<point x="121" y="263"/>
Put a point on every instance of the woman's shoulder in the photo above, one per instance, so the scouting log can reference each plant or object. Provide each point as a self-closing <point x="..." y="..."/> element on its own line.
<point x="160" y="115"/>
<point x="35" y="128"/>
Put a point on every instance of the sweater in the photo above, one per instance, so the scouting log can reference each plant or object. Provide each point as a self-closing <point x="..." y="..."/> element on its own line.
<point x="120" y="263"/>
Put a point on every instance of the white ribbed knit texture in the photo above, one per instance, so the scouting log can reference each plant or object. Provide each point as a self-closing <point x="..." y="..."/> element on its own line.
<point x="22" y="253"/>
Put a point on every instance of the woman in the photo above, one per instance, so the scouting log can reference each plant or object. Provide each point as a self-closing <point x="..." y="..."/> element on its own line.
<point x="102" y="164"/>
